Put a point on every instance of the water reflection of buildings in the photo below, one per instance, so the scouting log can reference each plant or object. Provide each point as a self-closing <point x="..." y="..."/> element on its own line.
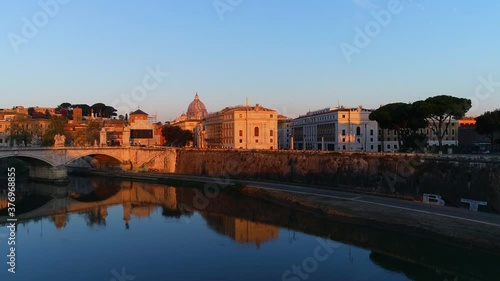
<point x="242" y="230"/>
<point x="3" y="201"/>
<point x="248" y="220"/>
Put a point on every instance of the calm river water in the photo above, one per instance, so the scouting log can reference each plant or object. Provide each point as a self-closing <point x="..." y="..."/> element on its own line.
<point x="112" y="230"/>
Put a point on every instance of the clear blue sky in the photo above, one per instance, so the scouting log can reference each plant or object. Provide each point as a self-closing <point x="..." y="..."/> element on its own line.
<point x="283" y="54"/>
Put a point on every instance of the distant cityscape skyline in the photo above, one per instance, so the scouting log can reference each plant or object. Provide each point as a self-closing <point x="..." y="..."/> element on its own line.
<point x="289" y="57"/>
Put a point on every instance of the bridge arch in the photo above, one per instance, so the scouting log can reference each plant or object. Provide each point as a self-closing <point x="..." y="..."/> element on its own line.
<point x="102" y="157"/>
<point x="30" y="159"/>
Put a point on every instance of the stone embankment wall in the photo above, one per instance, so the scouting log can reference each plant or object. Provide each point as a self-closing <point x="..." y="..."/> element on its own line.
<point x="404" y="175"/>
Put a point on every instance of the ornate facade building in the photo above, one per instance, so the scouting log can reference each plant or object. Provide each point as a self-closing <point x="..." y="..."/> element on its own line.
<point x="240" y="127"/>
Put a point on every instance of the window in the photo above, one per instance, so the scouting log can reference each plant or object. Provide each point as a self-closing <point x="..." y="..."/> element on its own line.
<point x="256" y="131"/>
<point x="343" y="132"/>
<point x="371" y="132"/>
<point x="358" y="131"/>
<point x="371" y="139"/>
<point x="395" y="147"/>
<point x="343" y="139"/>
<point x="343" y="116"/>
<point x="343" y="147"/>
<point x="359" y="140"/>
<point x="1" y="140"/>
<point x="241" y="141"/>
<point x="271" y="116"/>
<point x="241" y="133"/>
<point x="453" y="132"/>
<point x="271" y="141"/>
<point x="256" y="141"/>
<point x="371" y="146"/>
<point x="271" y="133"/>
<point x="388" y="146"/>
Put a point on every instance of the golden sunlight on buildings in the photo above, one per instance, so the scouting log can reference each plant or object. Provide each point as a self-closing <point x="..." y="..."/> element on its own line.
<point x="240" y="127"/>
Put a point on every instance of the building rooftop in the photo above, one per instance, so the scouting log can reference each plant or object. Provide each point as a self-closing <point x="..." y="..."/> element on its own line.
<point x="257" y="107"/>
<point x="334" y="109"/>
<point x="138" y="111"/>
<point x="196" y="109"/>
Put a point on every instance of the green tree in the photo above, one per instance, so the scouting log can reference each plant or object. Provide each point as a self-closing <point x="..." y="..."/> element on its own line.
<point x="88" y="135"/>
<point x="403" y="118"/>
<point x="109" y="112"/>
<point x="20" y="131"/>
<point x="98" y="109"/>
<point x="175" y="136"/>
<point x="440" y="110"/>
<point x="85" y="109"/>
<point x="64" y="109"/>
<point x="92" y="131"/>
<point x="31" y="111"/>
<point x="56" y="126"/>
<point x="488" y="124"/>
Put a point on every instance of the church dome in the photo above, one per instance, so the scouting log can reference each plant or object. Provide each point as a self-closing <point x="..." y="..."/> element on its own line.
<point x="196" y="109"/>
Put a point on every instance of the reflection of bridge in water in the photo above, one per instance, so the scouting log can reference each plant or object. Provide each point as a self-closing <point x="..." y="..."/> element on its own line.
<point x="251" y="220"/>
<point x="49" y="163"/>
<point x="137" y="199"/>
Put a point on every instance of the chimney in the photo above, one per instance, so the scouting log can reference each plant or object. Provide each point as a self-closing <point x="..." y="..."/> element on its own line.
<point x="248" y="101"/>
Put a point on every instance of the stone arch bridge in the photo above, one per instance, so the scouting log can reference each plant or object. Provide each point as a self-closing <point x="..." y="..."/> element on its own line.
<point x="51" y="163"/>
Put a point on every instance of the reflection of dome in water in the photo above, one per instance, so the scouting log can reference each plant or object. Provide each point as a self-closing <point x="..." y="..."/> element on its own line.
<point x="196" y="109"/>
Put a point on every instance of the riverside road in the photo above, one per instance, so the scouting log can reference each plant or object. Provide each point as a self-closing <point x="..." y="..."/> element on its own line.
<point x="412" y="206"/>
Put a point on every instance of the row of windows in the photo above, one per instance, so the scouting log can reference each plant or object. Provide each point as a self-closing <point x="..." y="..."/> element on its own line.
<point x="270" y="115"/>
<point x="358" y="131"/>
<point x="427" y="131"/>
<point x="257" y="141"/>
<point x="358" y="140"/>
<point x="256" y="132"/>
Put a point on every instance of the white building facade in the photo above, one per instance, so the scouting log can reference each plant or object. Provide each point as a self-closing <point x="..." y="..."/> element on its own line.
<point x="339" y="129"/>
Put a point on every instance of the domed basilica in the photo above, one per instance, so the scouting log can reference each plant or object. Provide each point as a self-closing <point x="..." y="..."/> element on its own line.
<point x="196" y="109"/>
<point x="194" y="115"/>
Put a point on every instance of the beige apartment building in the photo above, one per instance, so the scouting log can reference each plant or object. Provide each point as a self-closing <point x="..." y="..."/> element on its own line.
<point x="241" y="127"/>
<point x="37" y="127"/>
